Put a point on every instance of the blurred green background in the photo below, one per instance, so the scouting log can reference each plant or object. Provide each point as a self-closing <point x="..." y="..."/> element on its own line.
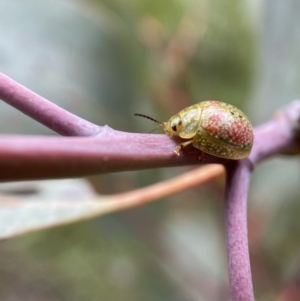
<point x="105" y="60"/>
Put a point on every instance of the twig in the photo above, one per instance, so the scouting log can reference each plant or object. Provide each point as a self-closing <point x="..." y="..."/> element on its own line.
<point x="44" y="111"/>
<point x="40" y="157"/>
<point x="238" y="176"/>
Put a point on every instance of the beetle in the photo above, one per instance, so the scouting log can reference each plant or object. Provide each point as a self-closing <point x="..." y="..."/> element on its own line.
<point x="212" y="126"/>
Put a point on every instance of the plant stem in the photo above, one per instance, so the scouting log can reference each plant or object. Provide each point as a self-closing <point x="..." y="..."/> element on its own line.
<point x="44" y="111"/>
<point x="238" y="176"/>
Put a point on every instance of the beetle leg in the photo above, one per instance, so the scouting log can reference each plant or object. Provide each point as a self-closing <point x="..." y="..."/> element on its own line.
<point x="181" y="145"/>
<point x="201" y="156"/>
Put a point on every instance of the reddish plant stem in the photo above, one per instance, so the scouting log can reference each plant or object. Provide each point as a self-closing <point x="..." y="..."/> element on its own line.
<point x="279" y="135"/>
<point x="238" y="177"/>
<point x="38" y="157"/>
<point x="32" y="157"/>
<point x="44" y="111"/>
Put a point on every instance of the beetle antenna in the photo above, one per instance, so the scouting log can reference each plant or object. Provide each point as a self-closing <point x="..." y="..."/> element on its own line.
<point x="152" y="119"/>
<point x="148" y="117"/>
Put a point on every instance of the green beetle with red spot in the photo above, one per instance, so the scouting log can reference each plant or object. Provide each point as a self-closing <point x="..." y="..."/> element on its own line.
<point x="214" y="127"/>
